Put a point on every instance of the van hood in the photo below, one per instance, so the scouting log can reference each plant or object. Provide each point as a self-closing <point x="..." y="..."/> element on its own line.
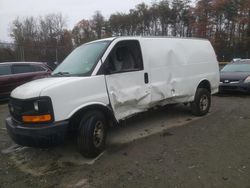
<point x="34" y="88"/>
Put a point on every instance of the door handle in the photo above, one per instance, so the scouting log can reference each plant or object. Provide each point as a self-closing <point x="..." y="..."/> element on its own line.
<point x="146" y="78"/>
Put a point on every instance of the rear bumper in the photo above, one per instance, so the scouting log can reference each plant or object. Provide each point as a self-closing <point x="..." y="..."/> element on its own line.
<point x="241" y="87"/>
<point x="38" y="135"/>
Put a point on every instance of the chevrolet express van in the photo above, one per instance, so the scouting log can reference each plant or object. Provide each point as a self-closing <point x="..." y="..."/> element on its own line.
<point x="105" y="81"/>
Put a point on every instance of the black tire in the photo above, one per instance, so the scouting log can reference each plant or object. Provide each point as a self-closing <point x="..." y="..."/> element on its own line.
<point x="202" y="101"/>
<point x="92" y="134"/>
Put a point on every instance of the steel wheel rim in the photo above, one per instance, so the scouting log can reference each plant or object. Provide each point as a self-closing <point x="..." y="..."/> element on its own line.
<point x="98" y="134"/>
<point x="204" y="102"/>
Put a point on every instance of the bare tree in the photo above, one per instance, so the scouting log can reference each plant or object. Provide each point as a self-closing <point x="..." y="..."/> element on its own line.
<point x="98" y="24"/>
<point x="83" y="32"/>
<point x="39" y="39"/>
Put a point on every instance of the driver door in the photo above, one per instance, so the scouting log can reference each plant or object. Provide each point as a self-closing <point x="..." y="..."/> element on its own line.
<point x="127" y="79"/>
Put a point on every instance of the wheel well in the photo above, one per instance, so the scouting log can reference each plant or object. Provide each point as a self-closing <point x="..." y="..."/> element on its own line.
<point x="108" y="113"/>
<point x="205" y="84"/>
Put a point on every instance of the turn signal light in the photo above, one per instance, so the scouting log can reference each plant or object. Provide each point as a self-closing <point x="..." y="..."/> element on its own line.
<point x="37" y="119"/>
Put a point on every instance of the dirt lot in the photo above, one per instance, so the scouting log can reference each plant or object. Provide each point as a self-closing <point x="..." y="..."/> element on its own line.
<point x="163" y="148"/>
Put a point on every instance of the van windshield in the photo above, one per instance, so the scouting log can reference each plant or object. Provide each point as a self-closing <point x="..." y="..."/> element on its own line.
<point x="82" y="61"/>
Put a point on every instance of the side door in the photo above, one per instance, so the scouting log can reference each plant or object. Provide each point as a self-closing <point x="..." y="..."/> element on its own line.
<point x="126" y="79"/>
<point x="6" y="80"/>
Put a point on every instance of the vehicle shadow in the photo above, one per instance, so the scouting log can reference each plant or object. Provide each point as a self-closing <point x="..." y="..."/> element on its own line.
<point x="149" y="123"/>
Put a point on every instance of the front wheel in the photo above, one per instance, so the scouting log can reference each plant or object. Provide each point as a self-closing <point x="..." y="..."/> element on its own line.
<point x="201" y="104"/>
<point x="92" y="134"/>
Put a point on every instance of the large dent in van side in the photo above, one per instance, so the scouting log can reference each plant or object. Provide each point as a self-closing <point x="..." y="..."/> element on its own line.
<point x="135" y="96"/>
<point x="169" y="92"/>
<point x="126" y="102"/>
<point x="129" y="101"/>
<point x="175" y="69"/>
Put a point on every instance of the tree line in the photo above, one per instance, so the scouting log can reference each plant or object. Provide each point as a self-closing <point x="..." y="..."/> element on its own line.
<point x="41" y="39"/>
<point x="226" y="23"/>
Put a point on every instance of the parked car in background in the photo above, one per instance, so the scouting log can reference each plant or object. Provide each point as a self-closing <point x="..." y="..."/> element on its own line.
<point x="239" y="60"/>
<point x="234" y="60"/>
<point x="52" y="65"/>
<point x="235" y="77"/>
<point x="13" y="74"/>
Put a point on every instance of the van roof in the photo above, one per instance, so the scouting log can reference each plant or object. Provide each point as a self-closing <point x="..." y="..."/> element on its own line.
<point x="149" y="37"/>
<point x="21" y="62"/>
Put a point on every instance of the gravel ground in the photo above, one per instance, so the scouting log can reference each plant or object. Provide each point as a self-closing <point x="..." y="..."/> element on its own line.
<point x="212" y="151"/>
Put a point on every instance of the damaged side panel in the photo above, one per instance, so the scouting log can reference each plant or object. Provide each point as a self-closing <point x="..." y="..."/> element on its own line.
<point x="174" y="73"/>
<point x="177" y="67"/>
<point x="128" y="93"/>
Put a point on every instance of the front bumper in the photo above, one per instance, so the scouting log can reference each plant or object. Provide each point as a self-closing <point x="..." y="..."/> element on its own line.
<point x="241" y="87"/>
<point x="43" y="135"/>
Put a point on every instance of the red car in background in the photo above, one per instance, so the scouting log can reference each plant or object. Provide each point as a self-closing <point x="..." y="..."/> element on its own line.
<point x="13" y="74"/>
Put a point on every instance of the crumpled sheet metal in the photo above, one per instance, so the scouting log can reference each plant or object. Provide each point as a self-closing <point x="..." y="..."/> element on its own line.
<point x="125" y="104"/>
<point x="139" y="100"/>
<point x="175" y="68"/>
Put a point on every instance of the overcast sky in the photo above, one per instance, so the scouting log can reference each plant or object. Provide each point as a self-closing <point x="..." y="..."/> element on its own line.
<point x="73" y="10"/>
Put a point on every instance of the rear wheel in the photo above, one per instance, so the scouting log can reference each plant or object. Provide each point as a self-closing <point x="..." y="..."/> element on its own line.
<point x="201" y="104"/>
<point x="92" y="134"/>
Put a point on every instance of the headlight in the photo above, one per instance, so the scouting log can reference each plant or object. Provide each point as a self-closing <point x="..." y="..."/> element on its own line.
<point x="42" y="105"/>
<point x="38" y="111"/>
<point x="247" y="80"/>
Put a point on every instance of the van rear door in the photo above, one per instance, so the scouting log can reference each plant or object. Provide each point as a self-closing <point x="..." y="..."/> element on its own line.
<point x="127" y="79"/>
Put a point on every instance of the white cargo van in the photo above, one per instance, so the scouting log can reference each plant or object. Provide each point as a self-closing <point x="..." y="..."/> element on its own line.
<point x="109" y="80"/>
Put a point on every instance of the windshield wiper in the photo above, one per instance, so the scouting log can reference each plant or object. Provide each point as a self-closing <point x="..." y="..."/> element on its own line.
<point x="61" y="74"/>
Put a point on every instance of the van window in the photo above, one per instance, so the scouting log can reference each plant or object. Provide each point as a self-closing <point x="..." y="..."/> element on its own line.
<point x="17" y="69"/>
<point x="5" y="70"/>
<point x="125" y="56"/>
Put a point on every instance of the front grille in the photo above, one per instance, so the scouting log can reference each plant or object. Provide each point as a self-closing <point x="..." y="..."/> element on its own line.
<point x="17" y="107"/>
<point x="228" y="81"/>
<point x="20" y="107"/>
<point x="229" y="87"/>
